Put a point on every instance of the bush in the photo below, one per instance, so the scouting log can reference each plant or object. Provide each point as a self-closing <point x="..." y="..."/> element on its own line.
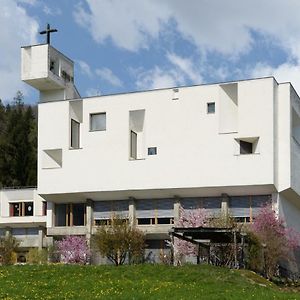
<point x="8" y="247"/>
<point x="73" y="250"/>
<point x="119" y="240"/>
<point x="270" y="242"/>
<point x="37" y="256"/>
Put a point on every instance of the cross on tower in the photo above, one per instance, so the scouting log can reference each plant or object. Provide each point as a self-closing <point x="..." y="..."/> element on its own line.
<point x="48" y="31"/>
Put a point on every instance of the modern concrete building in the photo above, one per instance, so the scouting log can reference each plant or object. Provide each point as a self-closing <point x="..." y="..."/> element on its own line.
<point x="227" y="147"/>
<point x="23" y="215"/>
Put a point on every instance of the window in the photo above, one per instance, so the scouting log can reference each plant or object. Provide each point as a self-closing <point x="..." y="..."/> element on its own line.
<point x="152" y="151"/>
<point x="44" y="208"/>
<point x="21" y="209"/>
<point x="75" y="134"/>
<point x="133" y="144"/>
<point x="71" y="214"/>
<point x="98" y="122"/>
<point x="211" y="107"/>
<point x="246" y="147"/>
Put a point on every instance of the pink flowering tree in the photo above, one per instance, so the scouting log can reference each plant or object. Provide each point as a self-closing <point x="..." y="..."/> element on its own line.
<point x="73" y="250"/>
<point x="273" y="239"/>
<point x="192" y="218"/>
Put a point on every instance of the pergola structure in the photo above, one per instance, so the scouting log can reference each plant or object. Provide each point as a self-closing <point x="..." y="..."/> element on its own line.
<point x="205" y="237"/>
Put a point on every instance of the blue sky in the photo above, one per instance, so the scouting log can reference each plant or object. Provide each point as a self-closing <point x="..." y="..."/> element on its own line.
<point x="120" y="46"/>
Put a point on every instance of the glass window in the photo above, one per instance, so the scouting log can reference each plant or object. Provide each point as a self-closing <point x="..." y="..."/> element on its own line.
<point x="246" y="147"/>
<point x="75" y="134"/>
<point x="28" y="208"/>
<point x="133" y="145"/>
<point x="98" y="122"/>
<point x="211" y="107"/>
<point x="152" y="151"/>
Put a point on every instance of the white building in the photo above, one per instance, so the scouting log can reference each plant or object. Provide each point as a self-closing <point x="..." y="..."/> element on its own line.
<point x="227" y="147"/>
<point x="23" y="215"/>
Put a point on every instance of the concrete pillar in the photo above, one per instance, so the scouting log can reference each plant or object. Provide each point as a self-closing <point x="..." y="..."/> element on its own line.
<point x="176" y="209"/>
<point x="41" y="237"/>
<point x="89" y="218"/>
<point x="131" y="212"/>
<point x="50" y="214"/>
<point x="225" y="205"/>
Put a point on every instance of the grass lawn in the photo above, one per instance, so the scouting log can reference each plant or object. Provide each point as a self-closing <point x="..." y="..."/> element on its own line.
<point x="135" y="282"/>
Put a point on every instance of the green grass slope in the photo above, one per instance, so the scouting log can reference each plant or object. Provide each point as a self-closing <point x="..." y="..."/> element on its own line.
<point x="135" y="282"/>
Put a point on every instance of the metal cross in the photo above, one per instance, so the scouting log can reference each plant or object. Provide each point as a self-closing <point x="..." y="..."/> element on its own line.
<point x="48" y="31"/>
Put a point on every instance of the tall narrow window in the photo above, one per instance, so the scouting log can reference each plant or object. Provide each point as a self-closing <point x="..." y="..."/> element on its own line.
<point x="75" y="134"/>
<point x="133" y="145"/>
<point x="98" y="122"/>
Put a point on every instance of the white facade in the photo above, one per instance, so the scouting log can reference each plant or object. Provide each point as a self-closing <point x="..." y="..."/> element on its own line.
<point x="23" y="214"/>
<point x="146" y="153"/>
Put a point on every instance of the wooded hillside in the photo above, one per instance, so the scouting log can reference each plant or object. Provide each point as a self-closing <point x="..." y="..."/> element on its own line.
<point x="18" y="143"/>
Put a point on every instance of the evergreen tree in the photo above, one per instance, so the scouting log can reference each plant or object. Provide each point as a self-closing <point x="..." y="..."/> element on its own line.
<point x="18" y="138"/>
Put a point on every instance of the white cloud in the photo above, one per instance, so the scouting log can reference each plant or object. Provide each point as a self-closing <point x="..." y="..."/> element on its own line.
<point x="107" y="75"/>
<point x="223" y="26"/>
<point x="85" y="68"/>
<point x="186" y="66"/>
<point x="16" y="34"/>
<point x="93" y="92"/>
<point x="130" y="24"/>
<point x="286" y="72"/>
<point x="52" y="11"/>
<point x="30" y="2"/>
<point x="158" y="78"/>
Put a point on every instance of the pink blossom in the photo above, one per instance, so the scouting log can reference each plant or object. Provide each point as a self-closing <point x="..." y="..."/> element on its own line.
<point x="73" y="249"/>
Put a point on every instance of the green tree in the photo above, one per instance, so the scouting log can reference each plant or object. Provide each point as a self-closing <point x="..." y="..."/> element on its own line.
<point x="119" y="240"/>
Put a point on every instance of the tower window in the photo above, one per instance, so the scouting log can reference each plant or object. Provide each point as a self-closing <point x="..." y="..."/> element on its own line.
<point x="133" y="144"/>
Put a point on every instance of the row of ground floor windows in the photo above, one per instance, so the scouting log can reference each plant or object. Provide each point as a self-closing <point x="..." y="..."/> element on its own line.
<point x="158" y="211"/>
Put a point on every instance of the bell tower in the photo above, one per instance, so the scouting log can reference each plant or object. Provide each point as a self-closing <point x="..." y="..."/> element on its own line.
<point x="48" y="70"/>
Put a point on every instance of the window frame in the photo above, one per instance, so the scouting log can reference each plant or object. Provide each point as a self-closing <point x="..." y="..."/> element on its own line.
<point x="97" y="114"/>
<point x="73" y="121"/>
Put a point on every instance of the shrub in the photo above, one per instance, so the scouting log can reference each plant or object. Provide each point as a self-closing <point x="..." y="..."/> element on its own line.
<point x="118" y="240"/>
<point x="73" y="250"/>
<point x="272" y="239"/>
<point x="37" y="256"/>
<point x="8" y="247"/>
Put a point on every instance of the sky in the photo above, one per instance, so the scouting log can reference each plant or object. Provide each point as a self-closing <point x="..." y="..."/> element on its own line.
<point x="121" y="46"/>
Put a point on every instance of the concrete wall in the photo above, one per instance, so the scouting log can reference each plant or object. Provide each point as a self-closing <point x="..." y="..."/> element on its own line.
<point x="191" y="151"/>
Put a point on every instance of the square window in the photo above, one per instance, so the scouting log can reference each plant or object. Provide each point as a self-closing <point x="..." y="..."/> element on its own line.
<point x="211" y="107"/>
<point x="152" y="151"/>
<point x="98" y="122"/>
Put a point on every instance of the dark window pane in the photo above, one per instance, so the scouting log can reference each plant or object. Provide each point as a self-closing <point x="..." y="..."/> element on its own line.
<point x="164" y="221"/>
<point x="211" y="107"/>
<point x="144" y="221"/>
<point x="60" y="214"/>
<point x="246" y="148"/>
<point x="28" y="208"/>
<point x="78" y="214"/>
<point x="16" y="207"/>
<point x="152" y="151"/>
